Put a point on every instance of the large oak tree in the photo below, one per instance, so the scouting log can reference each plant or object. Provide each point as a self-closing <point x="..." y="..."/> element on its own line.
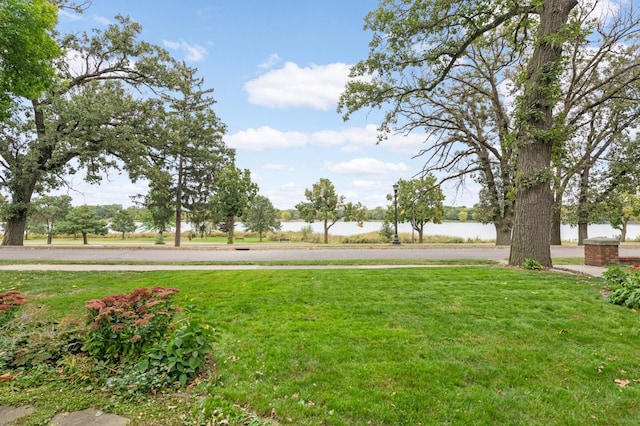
<point x="86" y="121"/>
<point x="415" y="47"/>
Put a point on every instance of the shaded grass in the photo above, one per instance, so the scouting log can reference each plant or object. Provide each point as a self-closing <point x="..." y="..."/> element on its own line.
<point x="473" y="345"/>
<point x="568" y="260"/>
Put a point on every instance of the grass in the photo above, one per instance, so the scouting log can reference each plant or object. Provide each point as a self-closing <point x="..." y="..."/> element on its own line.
<point x="450" y="345"/>
<point x="305" y="262"/>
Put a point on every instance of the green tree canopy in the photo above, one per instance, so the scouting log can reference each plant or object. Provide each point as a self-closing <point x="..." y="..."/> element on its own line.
<point x="89" y="121"/>
<point x="195" y="152"/>
<point x="47" y="211"/>
<point x="234" y="192"/>
<point x="261" y="216"/>
<point x="27" y="49"/>
<point x="123" y="221"/>
<point x="83" y="220"/>
<point x="158" y="203"/>
<point x="419" y="202"/>
<point x="324" y="204"/>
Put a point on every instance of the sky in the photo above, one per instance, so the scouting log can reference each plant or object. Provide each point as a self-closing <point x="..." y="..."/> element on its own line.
<point x="278" y="68"/>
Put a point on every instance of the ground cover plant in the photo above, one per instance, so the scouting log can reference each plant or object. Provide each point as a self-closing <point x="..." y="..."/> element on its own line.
<point x="446" y="345"/>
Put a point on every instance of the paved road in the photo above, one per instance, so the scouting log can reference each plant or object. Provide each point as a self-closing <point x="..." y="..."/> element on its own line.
<point x="273" y="252"/>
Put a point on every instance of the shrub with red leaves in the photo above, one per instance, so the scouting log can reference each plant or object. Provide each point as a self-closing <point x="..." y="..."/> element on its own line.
<point x="9" y="301"/>
<point x="123" y="326"/>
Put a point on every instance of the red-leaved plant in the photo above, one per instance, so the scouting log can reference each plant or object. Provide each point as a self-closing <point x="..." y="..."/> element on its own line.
<point x="123" y="326"/>
<point x="8" y="302"/>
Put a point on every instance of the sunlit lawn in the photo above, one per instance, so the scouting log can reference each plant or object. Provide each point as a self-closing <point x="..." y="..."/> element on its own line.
<point x="448" y="345"/>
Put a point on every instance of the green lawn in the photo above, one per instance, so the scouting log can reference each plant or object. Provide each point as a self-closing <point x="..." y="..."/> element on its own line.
<point x="449" y="345"/>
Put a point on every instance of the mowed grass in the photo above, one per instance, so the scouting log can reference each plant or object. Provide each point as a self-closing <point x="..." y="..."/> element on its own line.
<point x="449" y="345"/>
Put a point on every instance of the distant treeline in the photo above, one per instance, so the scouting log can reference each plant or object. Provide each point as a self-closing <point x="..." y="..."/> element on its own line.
<point x="108" y="211"/>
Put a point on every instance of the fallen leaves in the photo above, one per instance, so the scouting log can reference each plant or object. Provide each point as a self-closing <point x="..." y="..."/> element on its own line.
<point x="8" y="376"/>
<point x="622" y="382"/>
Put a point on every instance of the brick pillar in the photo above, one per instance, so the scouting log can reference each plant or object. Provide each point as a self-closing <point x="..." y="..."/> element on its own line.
<point x="600" y="251"/>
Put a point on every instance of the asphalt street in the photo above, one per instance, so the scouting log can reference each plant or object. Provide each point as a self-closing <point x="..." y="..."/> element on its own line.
<point x="273" y="252"/>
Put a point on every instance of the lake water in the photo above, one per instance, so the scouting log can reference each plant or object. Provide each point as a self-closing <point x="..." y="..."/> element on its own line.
<point x="464" y="230"/>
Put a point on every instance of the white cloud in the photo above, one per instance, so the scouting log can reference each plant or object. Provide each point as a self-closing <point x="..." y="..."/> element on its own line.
<point x="265" y="138"/>
<point x="273" y="60"/>
<point x="352" y="139"/>
<point x="367" y="184"/>
<point x="70" y="16"/>
<point x="355" y="139"/>
<point x="318" y="86"/>
<point x="605" y="9"/>
<point x="192" y="52"/>
<point x="102" y="20"/>
<point x="276" y="167"/>
<point x="365" y="166"/>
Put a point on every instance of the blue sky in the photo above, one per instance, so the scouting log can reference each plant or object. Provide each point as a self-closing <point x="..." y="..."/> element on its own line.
<point x="278" y="68"/>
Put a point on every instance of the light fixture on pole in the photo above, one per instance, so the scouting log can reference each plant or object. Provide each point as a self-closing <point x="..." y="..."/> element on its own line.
<point x="396" y="240"/>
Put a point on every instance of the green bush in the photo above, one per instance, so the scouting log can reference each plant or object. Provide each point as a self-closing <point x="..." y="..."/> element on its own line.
<point x="386" y="232"/>
<point x="183" y="354"/>
<point x="123" y="326"/>
<point x="625" y="286"/>
<point x="174" y="360"/>
<point x="616" y="275"/>
<point x="532" y="265"/>
<point x="307" y="233"/>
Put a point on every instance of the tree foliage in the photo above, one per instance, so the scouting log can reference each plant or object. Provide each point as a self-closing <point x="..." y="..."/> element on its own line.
<point x="26" y="49"/>
<point x="621" y="208"/>
<point x="419" y="202"/>
<point x="324" y="204"/>
<point x="194" y="152"/>
<point x="158" y="202"/>
<point x="83" y="220"/>
<point x="123" y="222"/>
<point x="598" y="103"/>
<point x="261" y="216"/>
<point x="86" y="121"/>
<point x="234" y="192"/>
<point x="47" y="211"/>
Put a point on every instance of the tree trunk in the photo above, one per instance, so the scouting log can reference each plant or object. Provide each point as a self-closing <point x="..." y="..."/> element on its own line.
<point x="22" y="185"/>
<point x="176" y="238"/>
<point x="84" y="238"/>
<point x="623" y="231"/>
<point x="14" y="232"/>
<point x="531" y="232"/>
<point x="583" y="206"/>
<point x="556" y="221"/>
<point x="230" y="229"/>
<point x="49" y="239"/>
<point x="326" y="232"/>
<point x="503" y="235"/>
<point x="534" y="201"/>
<point x="583" y="233"/>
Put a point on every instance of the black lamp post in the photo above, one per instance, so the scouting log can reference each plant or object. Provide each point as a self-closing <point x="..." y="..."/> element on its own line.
<point x="396" y="240"/>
